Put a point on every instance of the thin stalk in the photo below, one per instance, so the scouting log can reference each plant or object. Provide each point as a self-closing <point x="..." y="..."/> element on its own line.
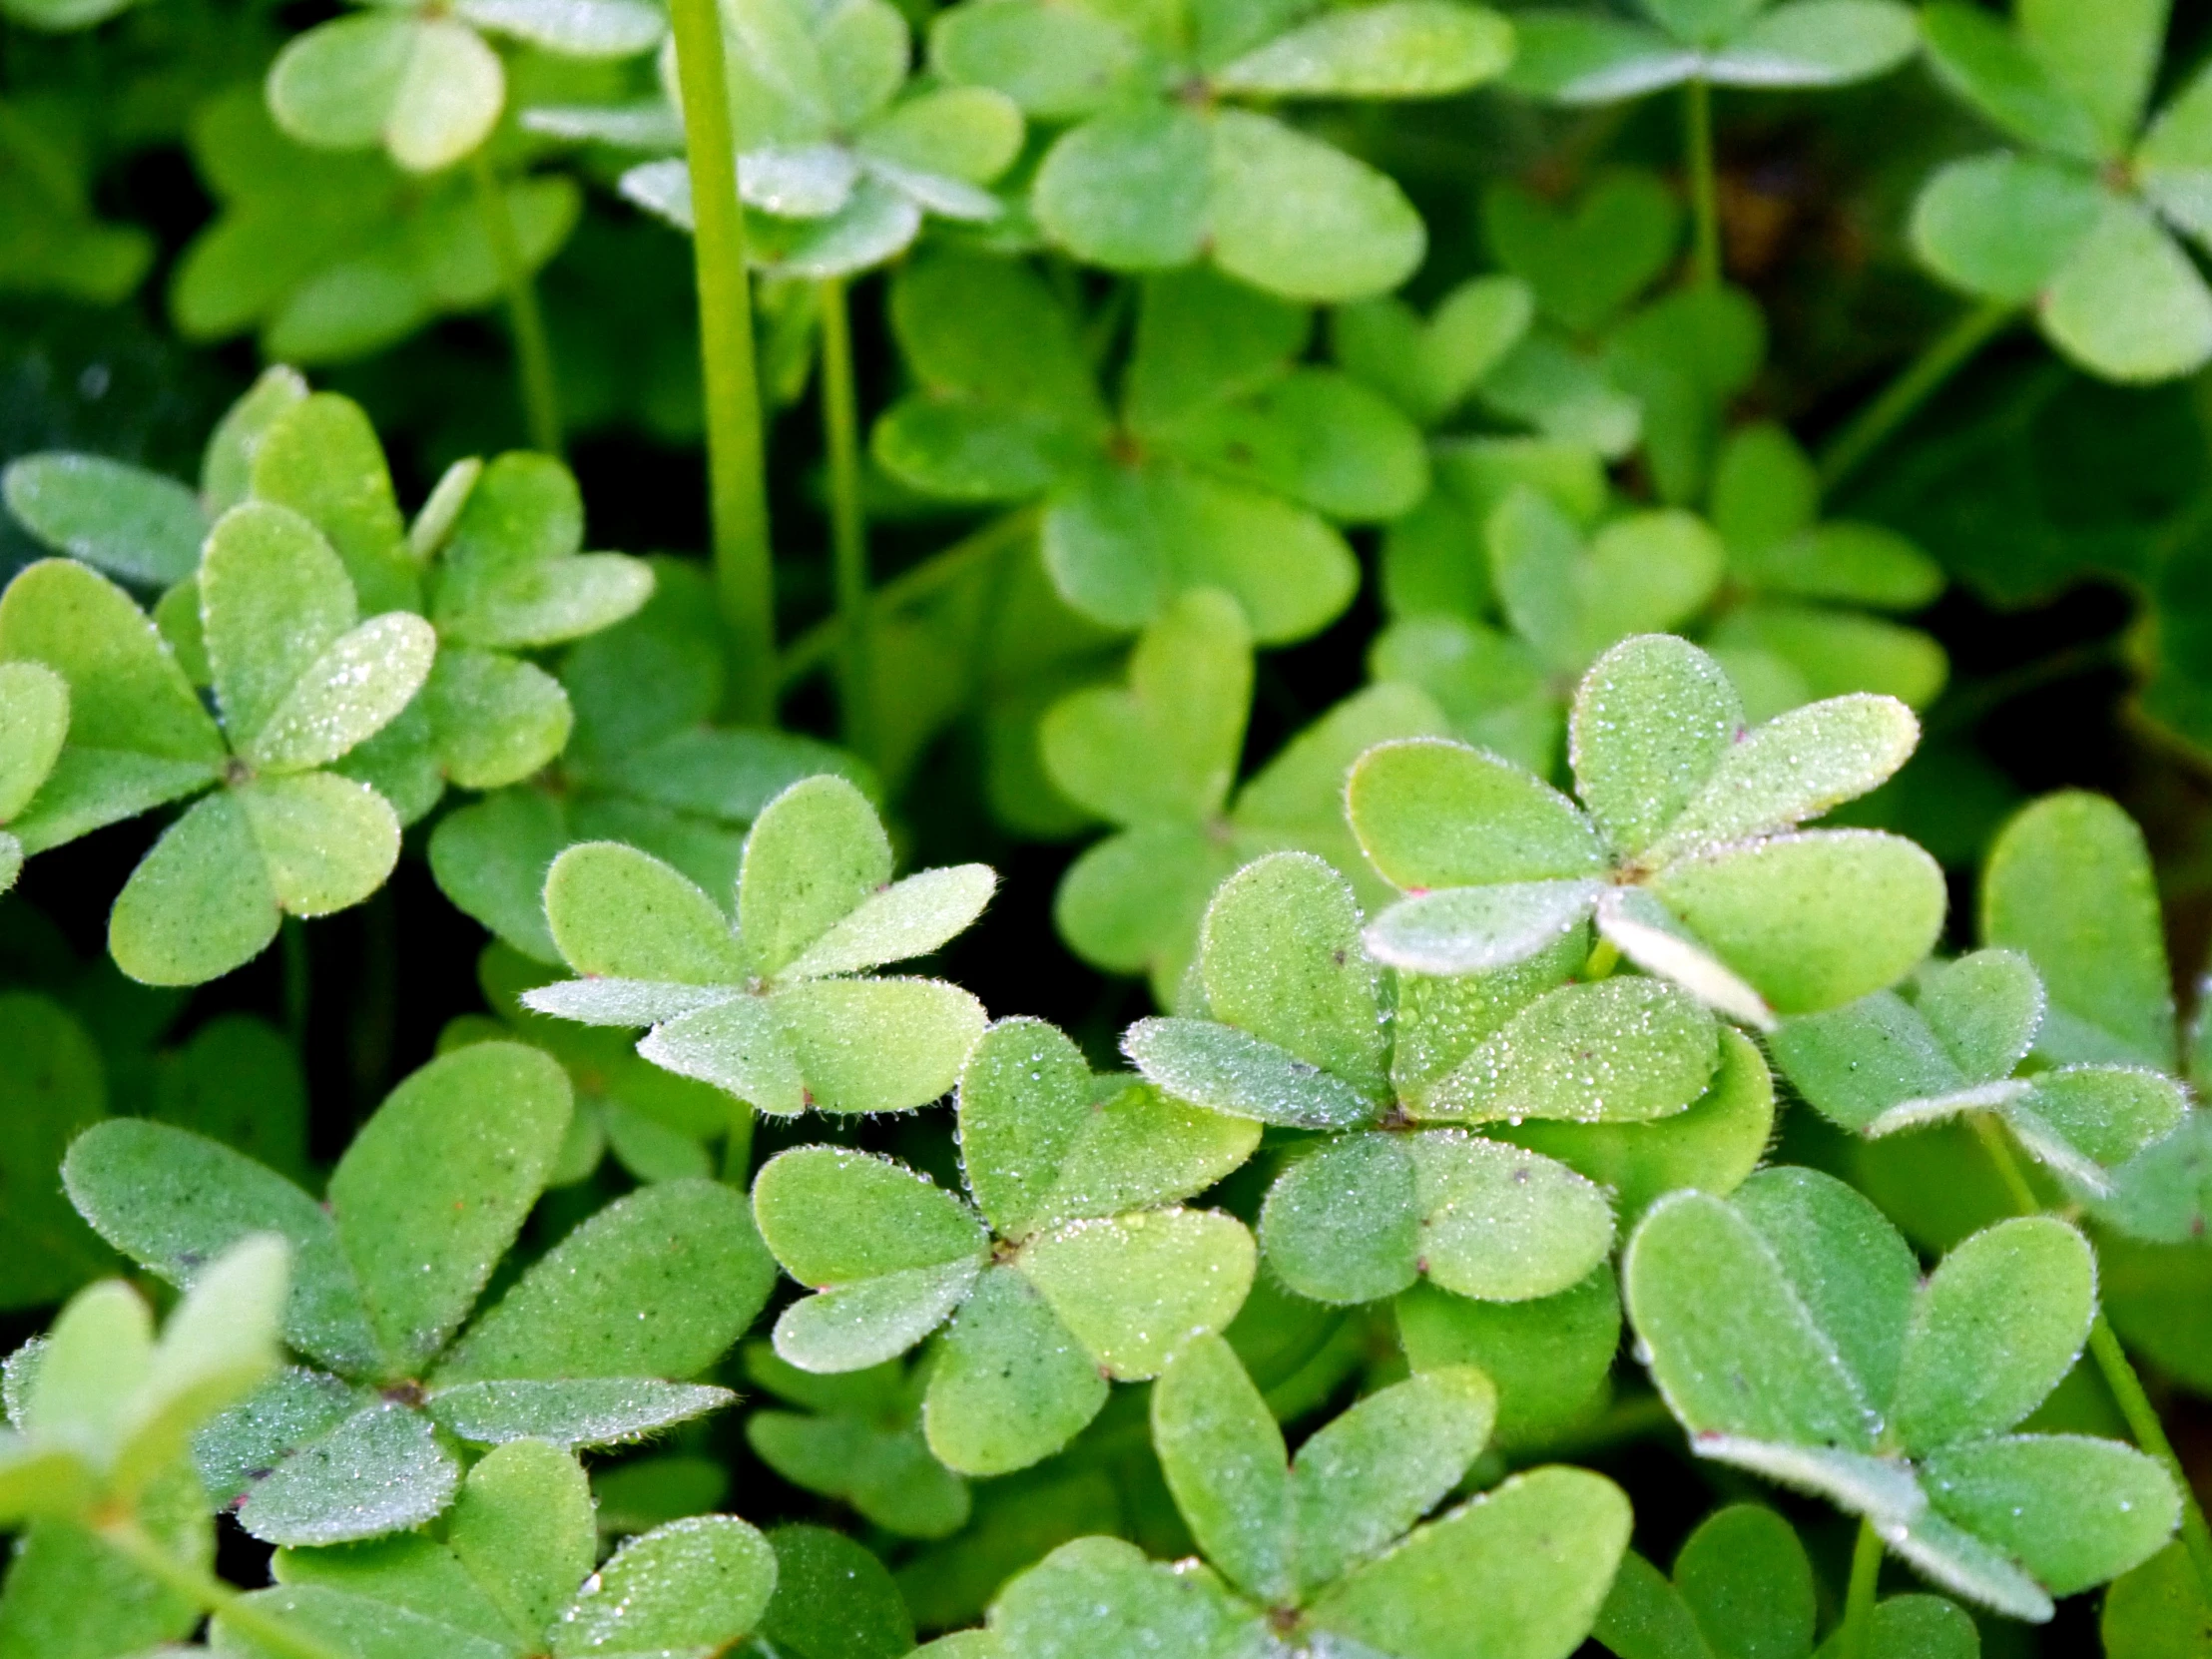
<point x="210" y="1595"/>
<point x="541" y="401"/>
<point x="1921" y="379"/>
<point x="819" y="645"/>
<point x="1602" y="960"/>
<point x="1705" y="202"/>
<point x="1858" y="1600"/>
<point x="840" y="425"/>
<point x="736" y="471"/>
<point x="2117" y="1370"/>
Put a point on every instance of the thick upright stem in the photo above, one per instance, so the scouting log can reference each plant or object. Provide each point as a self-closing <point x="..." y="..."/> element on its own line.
<point x="1705" y="205"/>
<point x="210" y="1595"/>
<point x="1858" y="1600"/>
<point x="541" y="403"/>
<point x="1921" y="379"/>
<point x="2118" y="1372"/>
<point x="840" y="425"/>
<point x="737" y="477"/>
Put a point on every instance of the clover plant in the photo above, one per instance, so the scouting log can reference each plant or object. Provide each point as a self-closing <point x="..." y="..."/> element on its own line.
<point x="1831" y="1367"/>
<point x="1350" y="514"/>
<point x="578" y="1351"/>
<point x="1224" y="467"/>
<point x="2107" y="193"/>
<point x="1074" y="1266"/>
<point x="1685" y="851"/>
<point x="777" y="1010"/>
<point x="1163" y="164"/>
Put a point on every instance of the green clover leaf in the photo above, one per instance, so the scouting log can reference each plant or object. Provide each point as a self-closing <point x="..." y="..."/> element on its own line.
<point x="421" y="1208"/>
<point x="1227" y="466"/>
<point x="1158" y="761"/>
<point x="2091" y="210"/>
<point x="779" y="1010"/>
<point x="1849" y="1377"/>
<point x="840" y="159"/>
<point x="1162" y="165"/>
<point x="514" y="1574"/>
<point x="1686" y="847"/>
<point x="1329" y="1549"/>
<point x="1076" y="1263"/>
<point x="1586" y="58"/>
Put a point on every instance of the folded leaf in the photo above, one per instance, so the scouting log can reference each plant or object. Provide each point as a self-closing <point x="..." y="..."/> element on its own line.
<point x="867" y="1322"/>
<point x="1222" y="1069"/>
<point x="906" y="920"/>
<point x="584" y="1412"/>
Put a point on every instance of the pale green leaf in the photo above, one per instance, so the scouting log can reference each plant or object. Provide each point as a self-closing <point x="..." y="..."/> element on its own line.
<point x="1343" y="1224"/>
<point x="1011" y="1385"/>
<point x="1652" y="720"/>
<point x="2075" y="1511"/>
<point x="1225" y="1070"/>
<point x="1352" y="233"/>
<point x="831" y="1216"/>
<point x="1130" y="189"/>
<point x="1097" y="1597"/>
<point x="1225" y="1462"/>
<point x="1622" y="1050"/>
<point x="132" y="523"/>
<point x="620" y="912"/>
<point x="906" y="920"/>
<point x="1431" y="813"/>
<point x="380" y="1469"/>
<point x="2128" y="305"/>
<point x="816" y="852"/>
<point x="1133" y="1288"/>
<point x="202" y="903"/>
<point x="877" y="1045"/>
<point x="1795" y="766"/>
<point x="693" y="1585"/>
<point x="583" y="1412"/>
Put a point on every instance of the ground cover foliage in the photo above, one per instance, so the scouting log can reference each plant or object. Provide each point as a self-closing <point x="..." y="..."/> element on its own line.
<point x="1044" y="829"/>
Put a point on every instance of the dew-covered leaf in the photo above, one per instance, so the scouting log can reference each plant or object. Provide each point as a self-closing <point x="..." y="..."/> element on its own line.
<point x="1795" y="766"/>
<point x="1223" y="1069"/>
<point x="1458" y="930"/>
<point x="348" y="1624"/>
<point x="816" y="852"/>
<point x="658" y="1283"/>
<point x="2068" y="884"/>
<point x="833" y="1216"/>
<point x="174" y="1201"/>
<point x="1646" y="933"/>
<point x="141" y="526"/>
<point x="1134" y="1288"/>
<point x="1100" y="1596"/>
<point x="381" y="1470"/>
<point x="1548" y="1357"/>
<point x="1998" y="1324"/>
<point x="623" y="913"/>
<point x="1814" y="919"/>
<point x="1502" y="1223"/>
<point x="1860" y="1061"/>
<point x="1749" y="1364"/>
<point x="906" y="920"/>
<point x="1343" y="1224"/>
<point x="1522" y="1569"/>
<point x="435" y="1187"/>
<point x="1651" y="721"/>
<point x="1225" y="1462"/>
<point x="582" y="1413"/>
<point x="877" y="1045"/>
<point x="855" y="1326"/>
<point x="1011" y="1385"/>
<point x="1431" y="814"/>
<point x="2075" y="1511"/>
<point x="696" y="1585"/>
<point x="735" y="1043"/>
<point x="1621" y="1051"/>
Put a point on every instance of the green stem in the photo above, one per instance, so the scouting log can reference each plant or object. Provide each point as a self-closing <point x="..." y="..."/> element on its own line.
<point x="210" y="1595"/>
<point x="819" y="645"/>
<point x="1859" y="1602"/>
<point x="1920" y="382"/>
<point x="2118" y="1371"/>
<point x="1602" y="960"/>
<point x="541" y="403"/>
<point x="840" y="425"/>
<point x="737" y="473"/>
<point x="1705" y="205"/>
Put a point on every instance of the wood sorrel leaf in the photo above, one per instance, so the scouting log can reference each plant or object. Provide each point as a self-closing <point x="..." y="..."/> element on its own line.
<point x="853" y="1327"/>
<point x="1651" y="720"/>
<point x="1343" y="1224"/>
<point x="831" y="1216"/>
<point x="1227" y="1467"/>
<point x="1811" y="919"/>
<point x="1500" y="1223"/>
<point x="2073" y="1510"/>
<point x="1165" y="748"/>
<point x="1431" y="813"/>
<point x="380" y="1469"/>
<point x="578" y="1413"/>
<point x="1012" y="1384"/>
<point x="1363" y="1479"/>
<point x="493" y="718"/>
<point x="1460" y="930"/>
<point x="735" y="1042"/>
<point x="274" y="597"/>
<point x="1042" y="1141"/>
<point x="1521" y="1570"/>
<point x="1548" y="1357"/>
<point x="620" y="912"/>
<point x="833" y="1597"/>
<point x="1100" y="1596"/>
<point x="658" y="1283"/>
<point x="130" y="522"/>
<point x="34" y="723"/>
<point x="1280" y="958"/>
<point x="1621" y="1051"/>
<point x="434" y="1188"/>
<point x="2068" y="884"/>
<point x="1793" y="767"/>
<point x="816" y="852"/>
<point x="1221" y="1068"/>
<point x="905" y="919"/>
<point x="352" y="690"/>
<point x="1403" y="49"/>
<point x="695" y="1585"/>
<point x="877" y="1045"/>
<point x="353" y="1624"/>
<point x="1133" y="1288"/>
<point x="522" y="1525"/>
<point x="2000" y="1321"/>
